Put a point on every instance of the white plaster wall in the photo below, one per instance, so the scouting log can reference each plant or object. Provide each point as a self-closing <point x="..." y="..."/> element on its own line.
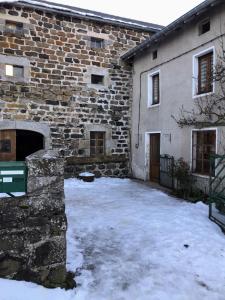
<point x="175" y="62"/>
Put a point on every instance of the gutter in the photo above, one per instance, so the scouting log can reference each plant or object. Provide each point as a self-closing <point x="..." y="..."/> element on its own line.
<point x="186" y="18"/>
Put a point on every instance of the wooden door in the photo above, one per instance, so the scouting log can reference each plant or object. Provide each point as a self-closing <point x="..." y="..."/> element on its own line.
<point x="154" y="157"/>
<point x="7" y="145"/>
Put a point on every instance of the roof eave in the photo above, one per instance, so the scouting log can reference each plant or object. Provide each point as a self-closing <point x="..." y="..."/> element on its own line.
<point x="180" y="22"/>
<point x="92" y="18"/>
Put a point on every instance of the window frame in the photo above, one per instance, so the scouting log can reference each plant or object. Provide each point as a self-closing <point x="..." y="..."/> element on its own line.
<point x="195" y="72"/>
<point x="95" y="40"/>
<point x="15" y="61"/>
<point x="98" y="75"/>
<point x="13" y="68"/>
<point x="155" y="54"/>
<point x="19" y="26"/>
<point x="151" y="103"/>
<point x="192" y="156"/>
<point x="201" y="24"/>
<point x="208" y="58"/>
<point x="103" y="147"/>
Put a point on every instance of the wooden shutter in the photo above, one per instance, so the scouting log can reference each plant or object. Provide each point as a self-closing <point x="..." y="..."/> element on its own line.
<point x="205" y="74"/>
<point x="155" y="89"/>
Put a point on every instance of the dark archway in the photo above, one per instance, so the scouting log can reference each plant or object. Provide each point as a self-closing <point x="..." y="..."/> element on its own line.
<point x="16" y="145"/>
<point x="28" y="142"/>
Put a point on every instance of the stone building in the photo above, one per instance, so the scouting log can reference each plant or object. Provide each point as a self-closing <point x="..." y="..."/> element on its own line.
<point x="63" y="85"/>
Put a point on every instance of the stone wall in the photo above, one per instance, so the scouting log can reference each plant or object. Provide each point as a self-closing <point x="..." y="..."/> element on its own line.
<point x="33" y="227"/>
<point x="107" y="166"/>
<point x="56" y="89"/>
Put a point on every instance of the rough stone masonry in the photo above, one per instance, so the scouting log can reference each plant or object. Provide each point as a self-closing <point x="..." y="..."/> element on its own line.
<point x="58" y="57"/>
<point x="60" y="76"/>
<point x="33" y="227"/>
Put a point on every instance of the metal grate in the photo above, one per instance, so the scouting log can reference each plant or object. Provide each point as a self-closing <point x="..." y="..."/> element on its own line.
<point x="217" y="190"/>
<point x="166" y="171"/>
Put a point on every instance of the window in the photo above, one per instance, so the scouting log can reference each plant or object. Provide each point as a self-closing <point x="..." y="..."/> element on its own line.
<point x="97" y="143"/>
<point x="14" y="68"/>
<point x="205" y="73"/>
<point x="14" y="71"/>
<point x="5" y="146"/>
<point x="203" y="144"/>
<point x="204" y="26"/>
<point x="97" y="43"/>
<point x="154" y="54"/>
<point x="97" y="79"/>
<point x="12" y="26"/>
<point x="155" y="89"/>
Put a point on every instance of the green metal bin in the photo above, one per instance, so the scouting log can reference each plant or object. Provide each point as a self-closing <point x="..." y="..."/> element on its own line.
<point x="13" y="177"/>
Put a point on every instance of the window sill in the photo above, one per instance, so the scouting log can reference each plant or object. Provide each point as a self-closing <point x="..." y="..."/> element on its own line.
<point x="201" y="175"/>
<point x="14" y="79"/>
<point x="153" y="105"/>
<point x="14" y="33"/>
<point x="203" y="95"/>
<point x="98" y="87"/>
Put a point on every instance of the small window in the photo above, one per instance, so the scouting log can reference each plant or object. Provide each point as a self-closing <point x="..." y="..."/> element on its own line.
<point x="5" y="146"/>
<point x="154" y="54"/>
<point x="97" y="79"/>
<point x="97" y="143"/>
<point x="12" y="26"/>
<point x="155" y="89"/>
<point x="204" y="26"/>
<point x="97" y="43"/>
<point x="14" y="71"/>
<point x="203" y="145"/>
<point x="205" y="73"/>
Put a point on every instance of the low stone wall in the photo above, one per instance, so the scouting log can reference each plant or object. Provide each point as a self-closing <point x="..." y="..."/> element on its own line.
<point x="33" y="227"/>
<point x="108" y="166"/>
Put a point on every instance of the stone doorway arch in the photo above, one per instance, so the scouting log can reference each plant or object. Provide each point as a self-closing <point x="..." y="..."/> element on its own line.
<point x="19" y="139"/>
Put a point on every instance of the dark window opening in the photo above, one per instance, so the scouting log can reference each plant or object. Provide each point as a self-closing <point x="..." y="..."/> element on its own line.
<point x="97" y="43"/>
<point x="5" y="146"/>
<point x="203" y="145"/>
<point x="205" y="73"/>
<point x="97" y="79"/>
<point x="204" y="27"/>
<point x="14" y="71"/>
<point x="155" y="54"/>
<point x="16" y="145"/>
<point x="155" y="89"/>
<point x="97" y="143"/>
<point x="28" y="142"/>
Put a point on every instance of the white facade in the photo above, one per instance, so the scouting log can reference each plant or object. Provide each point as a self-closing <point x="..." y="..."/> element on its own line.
<point x="177" y="64"/>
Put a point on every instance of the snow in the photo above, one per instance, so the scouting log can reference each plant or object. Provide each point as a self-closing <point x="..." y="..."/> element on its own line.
<point x="8" y="1"/>
<point x="87" y="14"/>
<point x="127" y="241"/>
<point x="86" y="174"/>
<point x="4" y="195"/>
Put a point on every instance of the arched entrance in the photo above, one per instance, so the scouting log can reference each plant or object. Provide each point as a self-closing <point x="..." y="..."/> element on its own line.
<point x="18" y="139"/>
<point x="16" y="145"/>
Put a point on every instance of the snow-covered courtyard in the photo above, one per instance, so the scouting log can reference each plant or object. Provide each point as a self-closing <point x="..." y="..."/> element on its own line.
<point x="127" y="241"/>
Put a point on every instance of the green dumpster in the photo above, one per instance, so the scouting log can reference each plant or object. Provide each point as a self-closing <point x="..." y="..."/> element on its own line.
<point x="13" y="177"/>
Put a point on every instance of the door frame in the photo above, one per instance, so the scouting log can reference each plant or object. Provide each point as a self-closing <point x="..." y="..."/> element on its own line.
<point x="147" y="152"/>
<point x="38" y="127"/>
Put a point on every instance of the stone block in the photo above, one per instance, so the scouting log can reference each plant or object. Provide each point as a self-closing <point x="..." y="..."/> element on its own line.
<point x="44" y="183"/>
<point x="44" y="163"/>
<point x="49" y="252"/>
<point x="57" y="275"/>
<point x="9" y="266"/>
